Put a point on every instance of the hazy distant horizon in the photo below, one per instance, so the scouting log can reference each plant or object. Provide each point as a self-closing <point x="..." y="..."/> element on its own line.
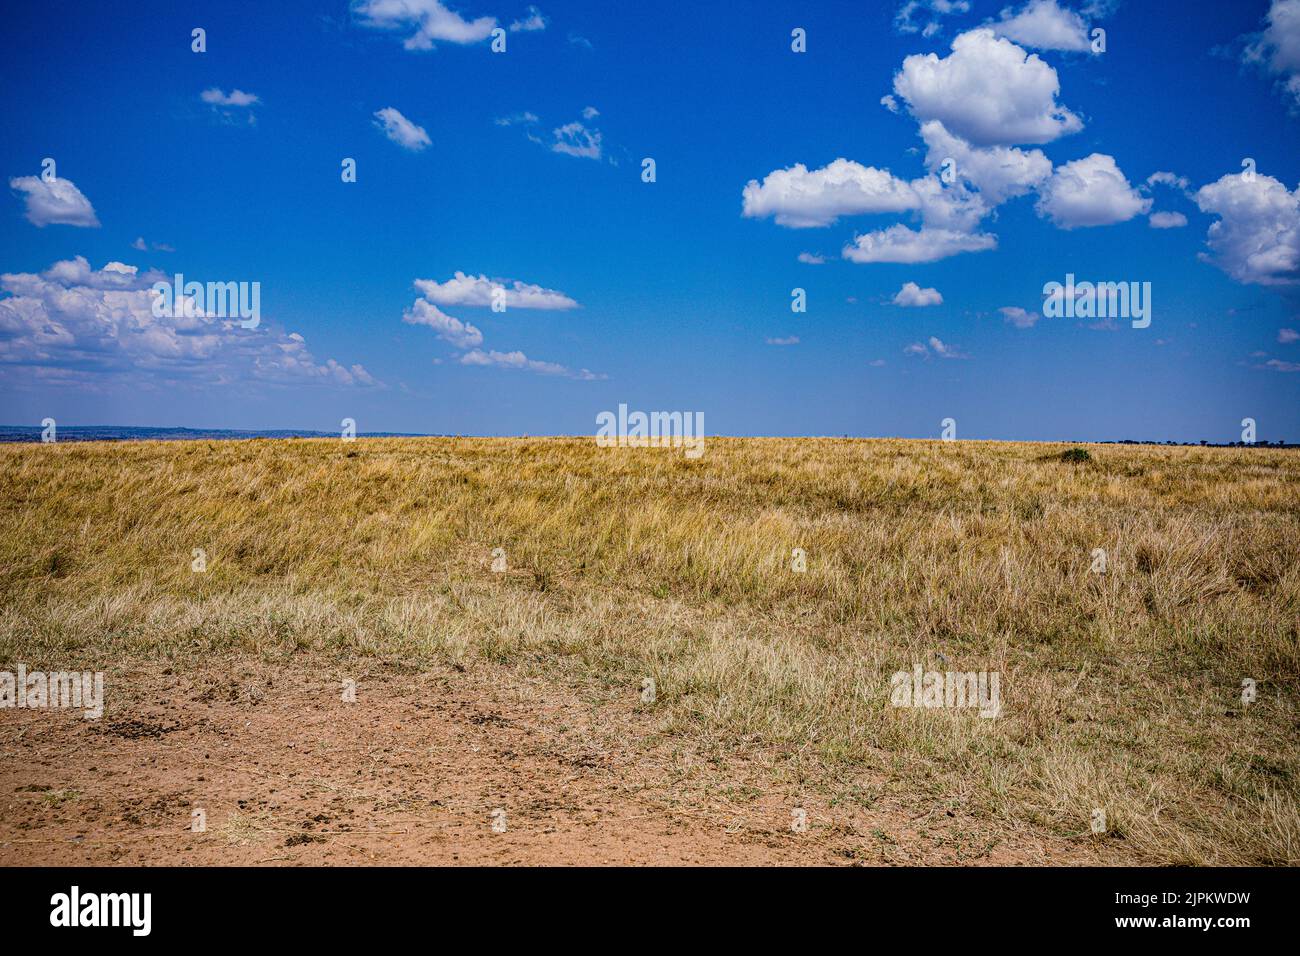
<point x="74" y="433"/>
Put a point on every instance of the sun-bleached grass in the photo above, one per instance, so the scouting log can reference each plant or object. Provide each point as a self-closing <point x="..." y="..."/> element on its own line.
<point x="1120" y="691"/>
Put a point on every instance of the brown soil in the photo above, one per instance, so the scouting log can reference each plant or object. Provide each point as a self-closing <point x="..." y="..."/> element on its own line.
<point x="289" y="773"/>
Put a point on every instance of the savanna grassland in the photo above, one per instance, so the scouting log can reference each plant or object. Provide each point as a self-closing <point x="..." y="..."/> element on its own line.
<point x="1120" y="690"/>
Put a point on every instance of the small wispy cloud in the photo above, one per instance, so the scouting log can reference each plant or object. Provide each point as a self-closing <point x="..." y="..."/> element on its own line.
<point x="1020" y="318"/>
<point x="1278" y="365"/>
<point x="143" y="246"/>
<point x="574" y="139"/>
<point x="464" y="289"/>
<point x="518" y="360"/>
<point x="235" y="107"/>
<point x="460" y="334"/>
<point x="931" y="10"/>
<point x="215" y="97"/>
<point x="517" y="119"/>
<point x="401" y="130"/>
<point x="1164" y="178"/>
<point x="946" y="351"/>
<point x="533" y="21"/>
<point x="936" y="347"/>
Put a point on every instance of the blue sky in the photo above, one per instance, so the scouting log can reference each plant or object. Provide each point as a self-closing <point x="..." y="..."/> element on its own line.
<point x="662" y="295"/>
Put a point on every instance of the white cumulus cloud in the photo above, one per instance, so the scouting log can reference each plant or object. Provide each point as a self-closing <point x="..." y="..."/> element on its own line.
<point x="898" y="243"/>
<point x="999" y="173"/>
<point x="54" y="202"/>
<point x="799" y="198"/>
<point x="1044" y="25"/>
<point x="478" y="291"/>
<point x="460" y="334"/>
<point x="912" y="295"/>
<point x="1167" y="220"/>
<point x="1256" y="238"/>
<point x="988" y="91"/>
<point x="1090" y="192"/>
<point x="75" y="323"/>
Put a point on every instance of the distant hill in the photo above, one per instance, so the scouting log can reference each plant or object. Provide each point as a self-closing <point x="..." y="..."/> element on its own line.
<point x="32" y="433"/>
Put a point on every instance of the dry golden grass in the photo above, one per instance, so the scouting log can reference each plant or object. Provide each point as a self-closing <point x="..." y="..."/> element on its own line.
<point x="1120" y="691"/>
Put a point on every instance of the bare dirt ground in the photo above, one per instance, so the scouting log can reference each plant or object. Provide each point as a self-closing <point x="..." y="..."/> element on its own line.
<point x="288" y="773"/>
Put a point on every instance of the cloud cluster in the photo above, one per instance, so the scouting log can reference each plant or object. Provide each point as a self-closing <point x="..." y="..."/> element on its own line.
<point x="979" y="110"/>
<point x="74" y="323"/>
<point x="470" y="291"/>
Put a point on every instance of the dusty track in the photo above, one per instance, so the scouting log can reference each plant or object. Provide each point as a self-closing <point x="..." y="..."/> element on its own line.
<point x="288" y="773"/>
